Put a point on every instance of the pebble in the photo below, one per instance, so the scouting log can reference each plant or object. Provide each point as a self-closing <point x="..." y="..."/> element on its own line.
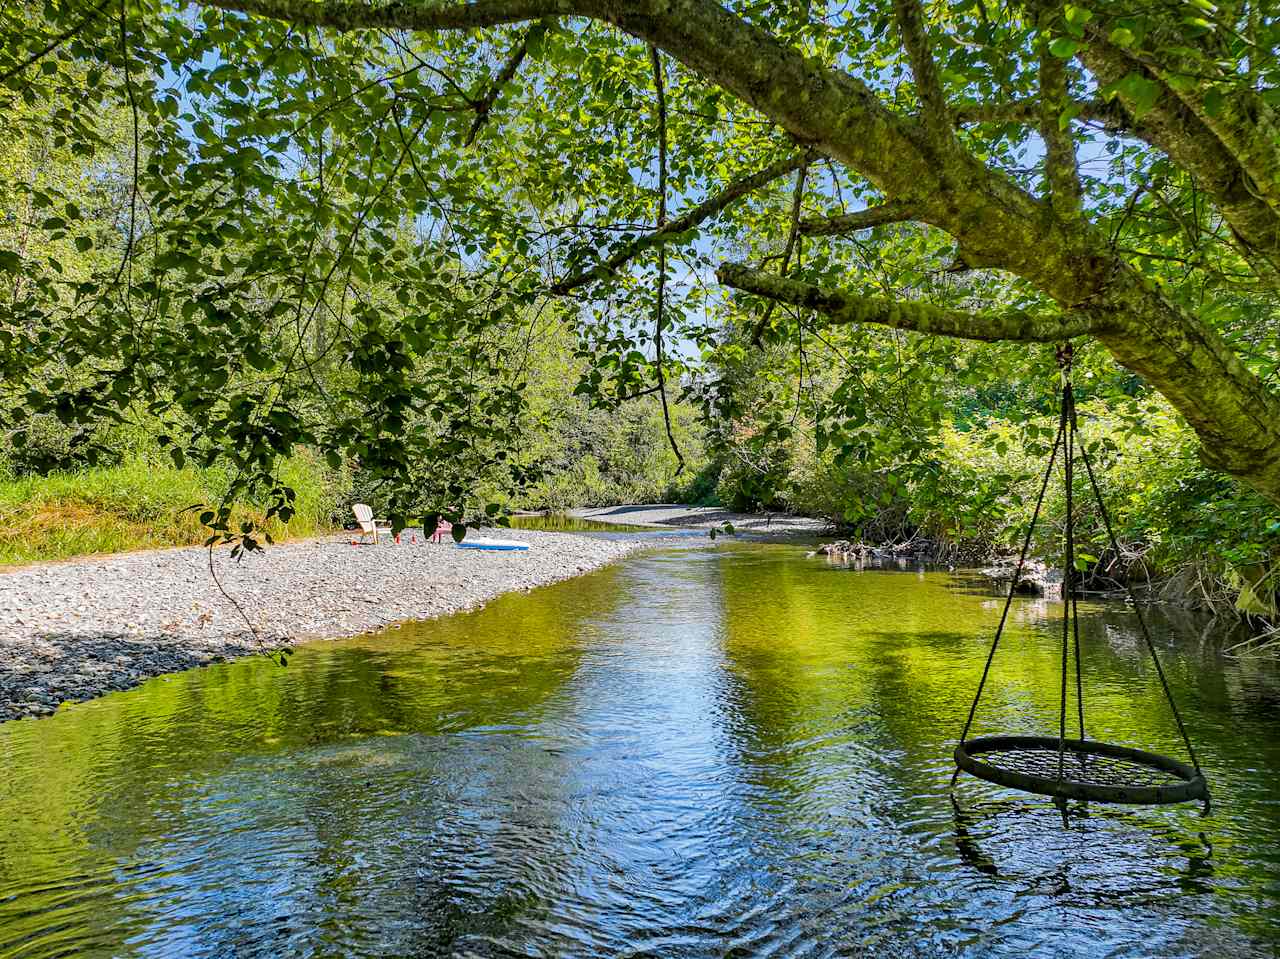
<point x="75" y="630"/>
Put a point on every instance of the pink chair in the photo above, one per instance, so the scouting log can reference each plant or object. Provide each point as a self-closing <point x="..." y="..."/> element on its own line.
<point x="442" y="526"/>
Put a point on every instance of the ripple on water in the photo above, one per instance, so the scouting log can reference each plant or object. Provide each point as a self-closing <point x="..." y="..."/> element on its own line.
<point x="702" y="752"/>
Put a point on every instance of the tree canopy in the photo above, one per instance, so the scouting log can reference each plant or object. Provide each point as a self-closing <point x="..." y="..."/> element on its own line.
<point x="341" y="223"/>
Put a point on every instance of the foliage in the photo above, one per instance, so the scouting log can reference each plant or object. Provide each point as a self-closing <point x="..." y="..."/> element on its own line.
<point x="265" y="226"/>
<point x="976" y="461"/>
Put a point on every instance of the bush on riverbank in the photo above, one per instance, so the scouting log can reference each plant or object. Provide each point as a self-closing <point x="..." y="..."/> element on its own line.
<point x="1199" y="535"/>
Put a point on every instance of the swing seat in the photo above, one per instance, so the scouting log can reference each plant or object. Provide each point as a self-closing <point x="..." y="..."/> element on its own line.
<point x="1055" y="765"/>
<point x="1090" y="771"/>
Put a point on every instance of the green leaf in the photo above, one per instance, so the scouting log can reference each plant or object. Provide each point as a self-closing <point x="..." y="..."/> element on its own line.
<point x="1122" y="37"/>
<point x="1064" y="47"/>
<point x="1142" y="94"/>
<point x="458" y="531"/>
<point x="1076" y="14"/>
<point x="256" y="358"/>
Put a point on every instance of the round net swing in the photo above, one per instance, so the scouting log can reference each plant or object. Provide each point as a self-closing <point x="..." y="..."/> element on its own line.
<point x="1077" y="767"/>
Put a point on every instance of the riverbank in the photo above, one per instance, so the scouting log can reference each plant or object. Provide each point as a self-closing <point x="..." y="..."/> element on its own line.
<point x="705" y="517"/>
<point x="71" y="631"/>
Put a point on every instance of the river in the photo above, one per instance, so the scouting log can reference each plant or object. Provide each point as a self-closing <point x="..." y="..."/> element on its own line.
<point x="711" y="750"/>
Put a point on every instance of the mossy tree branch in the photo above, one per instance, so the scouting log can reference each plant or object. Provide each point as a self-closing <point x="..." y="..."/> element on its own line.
<point x="1171" y="126"/>
<point x="935" y="116"/>
<point x="846" y="223"/>
<point x="841" y="307"/>
<point x="1062" y="178"/>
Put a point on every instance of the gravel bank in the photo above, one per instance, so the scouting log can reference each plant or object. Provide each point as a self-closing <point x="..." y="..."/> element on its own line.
<point x="705" y="517"/>
<point x="72" y="631"/>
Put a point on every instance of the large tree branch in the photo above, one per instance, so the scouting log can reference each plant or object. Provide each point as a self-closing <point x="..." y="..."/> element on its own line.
<point x="1195" y="69"/>
<point x="1062" y="178"/>
<point x="994" y="220"/>
<point x="841" y="307"/>
<point x="681" y="224"/>
<point x="892" y="211"/>
<point x="837" y="113"/>
<point x="1183" y="136"/>
<point x="343" y="15"/>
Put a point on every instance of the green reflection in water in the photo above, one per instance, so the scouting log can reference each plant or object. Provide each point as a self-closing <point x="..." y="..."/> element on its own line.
<point x="564" y="523"/>
<point x="698" y="750"/>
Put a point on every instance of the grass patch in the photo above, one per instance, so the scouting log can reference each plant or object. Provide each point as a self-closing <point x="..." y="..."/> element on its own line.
<point x="139" y="504"/>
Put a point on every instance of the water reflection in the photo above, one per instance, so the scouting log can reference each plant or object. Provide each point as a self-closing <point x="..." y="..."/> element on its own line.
<point x="719" y="750"/>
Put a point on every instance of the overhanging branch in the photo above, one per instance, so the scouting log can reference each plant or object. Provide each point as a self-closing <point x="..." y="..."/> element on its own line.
<point x="841" y="307"/>
<point x="1062" y="177"/>
<point x="893" y="211"/>
<point x="915" y="40"/>
<point x="344" y="15"/>
<point x="686" y="221"/>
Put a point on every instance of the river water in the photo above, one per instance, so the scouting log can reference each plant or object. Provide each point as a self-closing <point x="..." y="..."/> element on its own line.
<point x="714" y="750"/>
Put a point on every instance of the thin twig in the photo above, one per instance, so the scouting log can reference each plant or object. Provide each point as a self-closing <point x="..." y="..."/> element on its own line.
<point x="793" y="239"/>
<point x="508" y="71"/>
<point x="656" y="61"/>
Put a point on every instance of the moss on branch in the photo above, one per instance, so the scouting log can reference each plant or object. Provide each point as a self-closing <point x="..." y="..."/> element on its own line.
<point x="840" y="307"/>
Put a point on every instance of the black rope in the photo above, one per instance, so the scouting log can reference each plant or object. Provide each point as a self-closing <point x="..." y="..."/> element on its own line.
<point x="1137" y="610"/>
<point x="1075" y="612"/>
<point x="1013" y="586"/>
<point x="1068" y="555"/>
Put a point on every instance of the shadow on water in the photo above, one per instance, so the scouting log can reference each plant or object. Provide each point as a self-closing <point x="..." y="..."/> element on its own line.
<point x="706" y="751"/>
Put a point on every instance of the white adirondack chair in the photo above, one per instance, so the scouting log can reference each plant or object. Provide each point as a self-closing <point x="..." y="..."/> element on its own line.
<point x="368" y="525"/>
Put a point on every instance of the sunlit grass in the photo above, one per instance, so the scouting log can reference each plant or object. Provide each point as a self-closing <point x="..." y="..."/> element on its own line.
<point x="137" y="505"/>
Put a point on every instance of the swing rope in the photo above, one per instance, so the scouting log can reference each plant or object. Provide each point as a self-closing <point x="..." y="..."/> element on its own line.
<point x="1137" y="611"/>
<point x="1069" y="548"/>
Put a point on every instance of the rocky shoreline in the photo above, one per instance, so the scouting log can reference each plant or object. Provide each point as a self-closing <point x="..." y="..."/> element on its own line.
<point x="76" y="630"/>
